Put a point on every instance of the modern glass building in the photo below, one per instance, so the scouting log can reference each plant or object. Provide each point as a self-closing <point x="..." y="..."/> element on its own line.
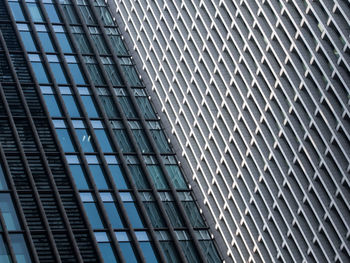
<point x="255" y="95"/>
<point x="86" y="172"/>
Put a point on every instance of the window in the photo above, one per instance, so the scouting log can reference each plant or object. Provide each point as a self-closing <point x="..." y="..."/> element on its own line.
<point x="97" y="173"/>
<point x="121" y="136"/>
<point x="69" y="12"/>
<point x="136" y="172"/>
<point x="62" y="39"/>
<point x="79" y="176"/>
<point x="171" y="209"/>
<point x="69" y="101"/>
<point x="20" y="248"/>
<point x="174" y="172"/>
<point x="126" y="247"/>
<point x="35" y="12"/>
<point x="94" y="70"/>
<point x="125" y="102"/>
<point x="45" y="38"/>
<point x="108" y="103"/>
<point x="191" y="209"/>
<point x="144" y="104"/>
<point x="64" y="136"/>
<point x="40" y="72"/>
<point x="187" y="246"/>
<point x="51" y="102"/>
<point x="116" y="41"/>
<point x="112" y="211"/>
<point x="83" y="136"/>
<point x="57" y="70"/>
<point x="116" y="172"/>
<point x="168" y="247"/>
<point x="131" y="210"/>
<point x="3" y="185"/>
<point x="156" y="172"/>
<point x="98" y="40"/>
<point x="75" y="70"/>
<point x="208" y="246"/>
<point x="88" y="102"/>
<point x="17" y="12"/>
<point x="146" y="246"/>
<point x="105" y="247"/>
<point x="103" y="12"/>
<point x="159" y="137"/>
<point x="8" y="212"/>
<point x="130" y="71"/>
<point x="140" y="136"/>
<point x="111" y="71"/>
<point x="86" y="12"/>
<point x="152" y="210"/>
<point x="81" y="39"/>
<point x="4" y="253"/>
<point x="91" y="210"/>
<point x="26" y="35"/>
<point x="52" y="12"/>
<point x="102" y="137"/>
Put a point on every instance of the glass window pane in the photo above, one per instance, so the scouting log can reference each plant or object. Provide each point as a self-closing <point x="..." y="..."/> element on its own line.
<point x="161" y="141"/>
<point x="139" y="177"/>
<point x="4" y="254"/>
<point x="35" y="12"/>
<point x="64" y="43"/>
<point x="17" y="11"/>
<point x="128" y="252"/>
<point x="173" y="214"/>
<point x="79" y="177"/>
<point x="58" y="73"/>
<point x="142" y="141"/>
<point x="8" y="212"/>
<point x="170" y="252"/>
<point x="85" y="140"/>
<point x="107" y="252"/>
<point x="76" y="73"/>
<point x="193" y="214"/>
<point x="52" y="106"/>
<point x="20" y="248"/>
<point x="65" y="140"/>
<point x="46" y="42"/>
<point x="90" y="107"/>
<point x="127" y="107"/>
<point x="131" y="75"/>
<point x="93" y="215"/>
<point x="52" y="13"/>
<point x="148" y="252"/>
<point x="105" y="16"/>
<point x="103" y="140"/>
<point x="40" y="72"/>
<point x="87" y="14"/>
<point x="118" y="176"/>
<point x="154" y="214"/>
<point x="133" y="215"/>
<point x="112" y="74"/>
<point x="109" y="107"/>
<point x="210" y="251"/>
<point x="71" y="106"/>
<point x="98" y="176"/>
<point x="95" y="74"/>
<point x="176" y="176"/>
<point x="81" y="40"/>
<point x="190" y="251"/>
<point x="113" y="215"/>
<point x="123" y="140"/>
<point x="98" y="41"/>
<point x="117" y="44"/>
<point x="28" y="41"/>
<point x="3" y="185"/>
<point x="157" y="176"/>
<point x="145" y="107"/>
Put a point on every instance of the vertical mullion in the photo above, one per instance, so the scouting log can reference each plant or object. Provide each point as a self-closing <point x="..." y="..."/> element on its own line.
<point x="150" y="138"/>
<point x="75" y="191"/>
<point x="24" y="159"/>
<point x="7" y="238"/>
<point x="115" y="144"/>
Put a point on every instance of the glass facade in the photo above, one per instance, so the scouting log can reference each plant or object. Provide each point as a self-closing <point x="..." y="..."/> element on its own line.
<point x="119" y="164"/>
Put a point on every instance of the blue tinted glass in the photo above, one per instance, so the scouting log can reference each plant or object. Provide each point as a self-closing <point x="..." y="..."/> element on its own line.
<point x="90" y="106"/>
<point x="76" y="73"/>
<point x="107" y="253"/>
<point x="20" y="248"/>
<point x="84" y="139"/>
<point x="40" y="73"/>
<point x="28" y="41"/>
<point x="138" y="176"/>
<point x="52" y="106"/>
<point x="103" y="140"/>
<point x="8" y="212"/>
<point x="35" y="12"/>
<point x="133" y="215"/>
<point x="58" y="73"/>
<point x="17" y="11"/>
<point x="65" y="140"/>
<point x="128" y="252"/>
<point x="93" y="215"/>
<point x="69" y="101"/>
<point x="148" y="252"/>
<point x="98" y="176"/>
<point x="170" y="252"/>
<point x="46" y="42"/>
<point x="123" y="141"/>
<point x="64" y="43"/>
<point x="118" y="176"/>
<point x="158" y="177"/>
<point x="79" y="177"/>
<point x="52" y="13"/>
<point x="176" y="176"/>
<point x="113" y="215"/>
<point x="3" y="185"/>
<point x="4" y="255"/>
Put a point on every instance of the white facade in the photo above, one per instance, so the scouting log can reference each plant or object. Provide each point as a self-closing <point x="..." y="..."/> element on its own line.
<point x="255" y="96"/>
